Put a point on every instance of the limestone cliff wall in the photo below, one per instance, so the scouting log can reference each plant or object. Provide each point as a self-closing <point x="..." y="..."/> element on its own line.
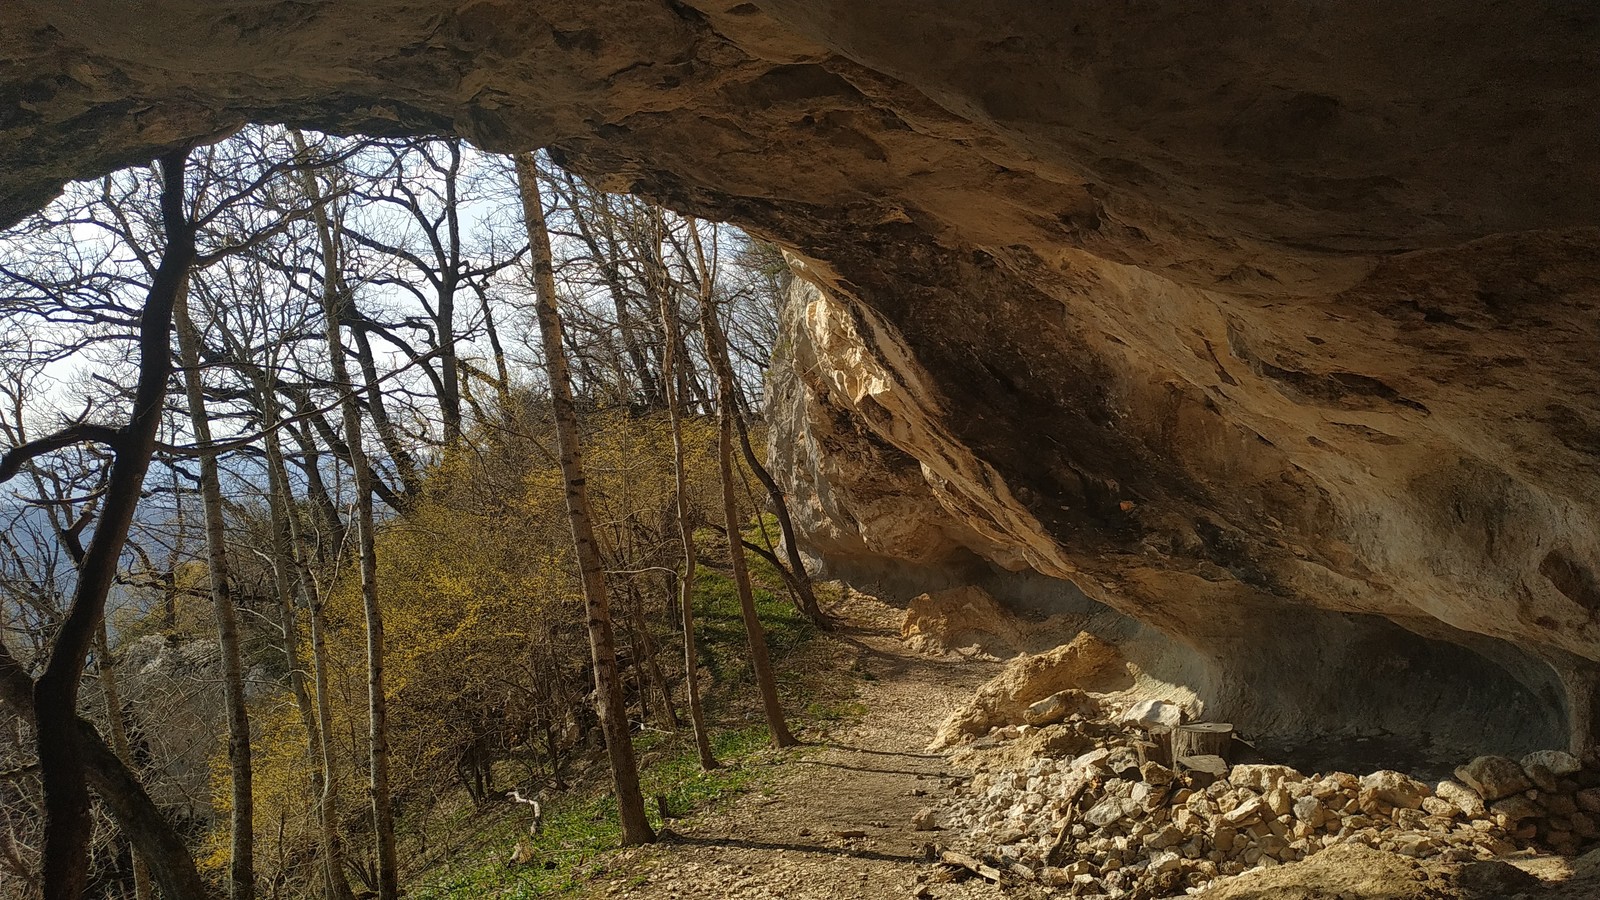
<point x="1271" y="327"/>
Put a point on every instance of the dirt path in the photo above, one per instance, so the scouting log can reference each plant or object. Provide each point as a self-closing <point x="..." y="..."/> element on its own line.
<point x="835" y="824"/>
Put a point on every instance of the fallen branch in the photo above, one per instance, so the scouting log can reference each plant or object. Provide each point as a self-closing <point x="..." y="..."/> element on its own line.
<point x="971" y="864"/>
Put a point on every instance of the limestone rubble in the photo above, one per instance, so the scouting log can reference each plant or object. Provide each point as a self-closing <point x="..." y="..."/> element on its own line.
<point x="1088" y="818"/>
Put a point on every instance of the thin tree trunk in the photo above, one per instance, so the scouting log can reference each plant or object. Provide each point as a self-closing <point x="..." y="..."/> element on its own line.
<point x="327" y="513"/>
<point x="445" y="321"/>
<point x="502" y="372"/>
<point x="647" y="648"/>
<point x="602" y="642"/>
<point x="797" y="576"/>
<point x="760" y="661"/>
<point x="63" y="756"/>
<point x="609" y="262"/>
<point x="335" y="297"/>
<point x="691" y="664"/>
<point x="292" y="576"/>
<point x="332" y="791"/>
<point x="119" y="744"/>
<point x="405" y="465"/>
<point x="241" y="818"/>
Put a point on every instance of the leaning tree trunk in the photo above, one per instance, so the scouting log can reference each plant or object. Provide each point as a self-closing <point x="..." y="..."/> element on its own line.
<point x="602" y="641"/>
<point x="319" y="730"/>
<point x="64" y="758"/>
<point x="798" y="579"/>
<point x="795" y="574"/>
<point x="153" y="837"/>
<point x="335" y="297"/>
<point x="760" y="662"/>
<point x="241" y="817"/>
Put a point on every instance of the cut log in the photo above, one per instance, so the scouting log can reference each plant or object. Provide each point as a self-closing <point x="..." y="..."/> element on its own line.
<point x="1157" y="749"/>
<point x="1202" y="739"/>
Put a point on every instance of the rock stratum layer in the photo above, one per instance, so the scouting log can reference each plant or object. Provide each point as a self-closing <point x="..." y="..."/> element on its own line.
<point x="1271" y="327"/>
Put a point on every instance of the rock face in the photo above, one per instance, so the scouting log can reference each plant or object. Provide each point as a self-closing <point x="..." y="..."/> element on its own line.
<point x="1270" y="328"/>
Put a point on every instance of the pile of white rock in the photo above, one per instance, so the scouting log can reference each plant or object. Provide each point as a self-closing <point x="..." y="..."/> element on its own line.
<point x="1095" y="820"/>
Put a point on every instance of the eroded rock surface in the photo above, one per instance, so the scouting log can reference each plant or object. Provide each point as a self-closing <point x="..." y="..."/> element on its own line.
<point x="1271" y="328"/>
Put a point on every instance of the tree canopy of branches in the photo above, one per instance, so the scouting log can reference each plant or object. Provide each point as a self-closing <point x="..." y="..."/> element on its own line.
<point x="283" y="482"/>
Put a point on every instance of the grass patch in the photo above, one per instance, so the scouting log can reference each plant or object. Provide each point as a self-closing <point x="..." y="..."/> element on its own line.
<point x="578" y="831"/>
<point x="720" y="633"/>
<point x="567" y="852"/>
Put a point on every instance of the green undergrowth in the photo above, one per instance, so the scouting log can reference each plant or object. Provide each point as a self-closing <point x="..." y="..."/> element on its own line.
<point x="568" y="851"/>
<point x="580" y="828"/>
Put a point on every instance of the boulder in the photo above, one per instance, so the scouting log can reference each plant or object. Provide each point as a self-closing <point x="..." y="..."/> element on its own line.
<point x="1513" y="810"/>
<point x="1262" y="778"/>
<point x="1494" y="777"/>
<point x="1164" y="837"/>
<point x="1443" y="809"/>
<point x="1309" y="809"/>
<point x="1109" y="810"/>
<point x="961" y="618"/>
<point x="1094" y="760"/>
<point x="1058" y="706"/>
<point x="1247" y="813"/>
<point x="1393" y="788"/>
<point x="1588" y="800"/>
<point x="1154" y="714"/>
<point x="1214" y="766"/>
<point x="1542" y="778"/>
<point x="1155" y="773"/>
<point x="1463" y="798"/>
<point x="1084" y="663"/>
<point x="1559" y="762"/>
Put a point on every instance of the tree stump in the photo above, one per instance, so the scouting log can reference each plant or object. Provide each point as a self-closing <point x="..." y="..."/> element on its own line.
<point x="1202" y="739"/>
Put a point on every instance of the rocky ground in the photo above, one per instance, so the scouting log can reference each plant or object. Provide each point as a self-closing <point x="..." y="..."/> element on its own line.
<point x="1064" y="807"/>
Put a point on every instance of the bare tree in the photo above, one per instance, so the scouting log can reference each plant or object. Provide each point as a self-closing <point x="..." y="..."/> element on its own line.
<point x="65" y="753"/>
<point x="727" y="411"/>
<point x="241" y="869"/>
<point x="608" y="683"/>
<point x="335" y="298"/>
<point x="671" y="327"/>
<point x="794" y="573"/>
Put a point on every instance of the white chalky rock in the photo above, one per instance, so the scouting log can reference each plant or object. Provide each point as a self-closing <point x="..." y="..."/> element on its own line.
<point x="1559" y="762"/>
<point x="1154" y="714"/>
<point x="1105" y="812"/>
<point x="1248" y="812"/>
<point x="1164" y="862"/>
<point x="1262" y="778"/>
<point x="1309" y="810"/>
<point x="1433" y="806"/>
<point x="1395" y="789"/>
<point x="1094" y="759"/>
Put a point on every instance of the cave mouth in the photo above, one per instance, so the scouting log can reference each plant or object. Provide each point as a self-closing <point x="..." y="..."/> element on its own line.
<point x="834" y="153"/>
<point x="1399" y="700"/>
<point x="1325" y="691"/>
